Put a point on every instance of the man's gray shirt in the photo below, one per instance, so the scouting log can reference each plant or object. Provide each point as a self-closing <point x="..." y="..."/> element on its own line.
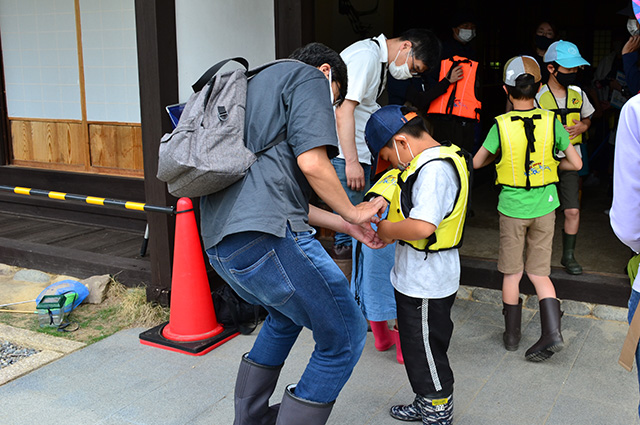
<point x="291" y="97"/>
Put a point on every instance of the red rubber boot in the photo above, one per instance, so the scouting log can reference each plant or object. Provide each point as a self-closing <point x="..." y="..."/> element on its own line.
<point x="383" y="339"/>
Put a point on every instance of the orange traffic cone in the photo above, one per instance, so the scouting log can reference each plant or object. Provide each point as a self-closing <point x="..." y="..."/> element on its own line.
<point x="192" y="328"/>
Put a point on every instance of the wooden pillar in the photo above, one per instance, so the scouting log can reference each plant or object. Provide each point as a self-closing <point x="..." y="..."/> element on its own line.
<point x="294" y="25"/>
<point x="158" y="77"/>
<point x="5" y="138"/>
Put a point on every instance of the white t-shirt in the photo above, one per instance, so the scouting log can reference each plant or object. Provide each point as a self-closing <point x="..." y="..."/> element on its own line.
<point x="437" y="276"/>
<point x="585" y="112"/>
<point x="367" y="72"/>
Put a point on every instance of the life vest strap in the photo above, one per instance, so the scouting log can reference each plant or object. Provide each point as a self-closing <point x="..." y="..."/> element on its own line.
<point x="529" y="127"/>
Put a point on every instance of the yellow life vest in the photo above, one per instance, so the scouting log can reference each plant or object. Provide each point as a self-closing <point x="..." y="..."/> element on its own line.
<point x="460" y="98"/>
<point x="528" y="153"/>
<point x="395" y="186"/>
<point x="566" y="115"/>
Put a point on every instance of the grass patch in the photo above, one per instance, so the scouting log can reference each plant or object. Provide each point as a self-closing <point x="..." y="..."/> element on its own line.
<point x="122" y="308"/>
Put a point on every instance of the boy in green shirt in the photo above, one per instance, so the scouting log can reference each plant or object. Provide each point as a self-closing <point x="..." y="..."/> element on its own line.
<point x="525" y="143"/>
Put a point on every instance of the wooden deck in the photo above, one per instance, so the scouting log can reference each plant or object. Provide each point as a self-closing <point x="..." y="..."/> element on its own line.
<point x="73" y="249"/>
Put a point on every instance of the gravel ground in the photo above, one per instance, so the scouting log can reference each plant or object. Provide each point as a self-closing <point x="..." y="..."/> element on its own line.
<point x="11" y="353"/>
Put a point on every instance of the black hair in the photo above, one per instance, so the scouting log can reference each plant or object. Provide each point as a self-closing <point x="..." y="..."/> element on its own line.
<point x="555" y="65"/>
<point x="460" y="18"/>
<point x="525" y="88"/>
<point x="317" y="54"/>
<point x="553" y="26"/>
<point x="426" y="46"/>
<point x="416" y="127"/>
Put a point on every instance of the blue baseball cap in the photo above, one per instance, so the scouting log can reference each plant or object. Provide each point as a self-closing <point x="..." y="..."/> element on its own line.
<point x="381" y="127"/>
<point x="564" y="54"/>
<point x="383" y="124"/>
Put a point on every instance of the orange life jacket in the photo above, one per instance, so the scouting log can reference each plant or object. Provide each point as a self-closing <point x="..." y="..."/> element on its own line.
<point x="460" y="97"/>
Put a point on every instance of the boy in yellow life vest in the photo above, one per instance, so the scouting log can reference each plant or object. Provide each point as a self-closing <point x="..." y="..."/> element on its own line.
<point x="525" y="142"/>
<point x="573" y="109"/>
<point x="426" y="215"/>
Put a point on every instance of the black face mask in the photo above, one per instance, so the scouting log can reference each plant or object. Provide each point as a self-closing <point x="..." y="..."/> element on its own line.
<point x="543" y="42"/>
<point x="566" y="79"/>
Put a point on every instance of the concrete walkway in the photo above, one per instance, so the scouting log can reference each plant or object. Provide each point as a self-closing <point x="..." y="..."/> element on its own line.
<point x="120" y="381"/>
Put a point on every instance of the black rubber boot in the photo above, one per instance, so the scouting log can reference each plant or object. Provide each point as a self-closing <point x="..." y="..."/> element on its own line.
<point x="254" y="386"/>
<point x="512" y="323"/>
<point x="568" y="260"/>
<point x="297" y="411"/>
<point x="551" y="340"/>
<point x="436" y="411"/>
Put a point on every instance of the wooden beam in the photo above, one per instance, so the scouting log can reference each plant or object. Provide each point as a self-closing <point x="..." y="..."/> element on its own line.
<point x="294" y="25"/>
<point x="83" y="93"/>
<point x="74" y="262"/>
<point x="5" y="138"/>
<point x="158" y="77"/>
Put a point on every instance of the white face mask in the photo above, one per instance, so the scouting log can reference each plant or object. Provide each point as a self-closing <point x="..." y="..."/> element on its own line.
<point x="401" y="72"/>
<point x="466" y="35"/>
<point x="401" y="165"/>
<point x="632" y="27"/>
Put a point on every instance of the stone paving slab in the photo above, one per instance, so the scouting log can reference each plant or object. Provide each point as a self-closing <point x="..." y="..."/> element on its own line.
<point x="51" y="348"/>
<point x="120" y="381"/>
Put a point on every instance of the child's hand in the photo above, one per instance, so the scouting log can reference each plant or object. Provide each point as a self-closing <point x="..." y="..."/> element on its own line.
<point x="577" y="129"/>
<point x="383" y="231"/>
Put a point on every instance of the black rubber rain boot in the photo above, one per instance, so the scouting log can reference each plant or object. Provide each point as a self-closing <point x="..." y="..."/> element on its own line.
<point x="297" y="411"/>
<point x="512" y="324"/>
<point x="568" y="260"/>
<point x="408" y="412"/>
<point x="436" y="411"/>
<point x="551" y="340"/>
<point x="254" y="386"/>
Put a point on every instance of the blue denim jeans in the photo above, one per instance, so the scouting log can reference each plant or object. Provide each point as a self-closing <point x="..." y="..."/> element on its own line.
<point x="355" y="197"/>
<point x="633" y="305"/>
<point x="300" y="285"/>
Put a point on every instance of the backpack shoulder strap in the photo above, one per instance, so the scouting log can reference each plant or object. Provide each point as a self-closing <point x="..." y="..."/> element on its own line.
<point x="202" y="81"/>
<point x="254" y="71"/>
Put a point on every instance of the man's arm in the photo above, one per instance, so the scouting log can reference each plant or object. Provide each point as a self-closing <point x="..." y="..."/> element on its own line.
<point x="346" y="125"/>
<point x="322" y="177"/>
<point x="625" y="209"/>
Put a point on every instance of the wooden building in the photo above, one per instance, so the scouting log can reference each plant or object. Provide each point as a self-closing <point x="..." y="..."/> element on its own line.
<point x="85" y="84"/>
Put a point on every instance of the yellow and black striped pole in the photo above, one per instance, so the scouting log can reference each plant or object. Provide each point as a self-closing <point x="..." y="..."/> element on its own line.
<point x="92" y="200"/>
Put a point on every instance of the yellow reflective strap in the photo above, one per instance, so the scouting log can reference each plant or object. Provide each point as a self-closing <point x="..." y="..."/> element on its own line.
<point x="134" y="206"/>
<point x="22" y="190"/>
<point x="57" y="195"/>
<point x="95" y="201"/>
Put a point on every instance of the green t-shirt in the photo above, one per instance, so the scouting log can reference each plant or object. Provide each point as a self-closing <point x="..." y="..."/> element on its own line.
<point x="519" y="202"/>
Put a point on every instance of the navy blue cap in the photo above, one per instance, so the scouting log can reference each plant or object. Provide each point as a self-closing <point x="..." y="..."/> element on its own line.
<point x="383" y="124"/>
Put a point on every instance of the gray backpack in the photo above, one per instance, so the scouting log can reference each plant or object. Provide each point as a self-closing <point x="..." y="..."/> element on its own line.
<point x="206" y="151"/>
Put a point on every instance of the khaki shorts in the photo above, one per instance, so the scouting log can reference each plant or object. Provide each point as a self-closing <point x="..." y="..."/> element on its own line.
<point x="568" y="189"/>
<point x="535" y="235"/>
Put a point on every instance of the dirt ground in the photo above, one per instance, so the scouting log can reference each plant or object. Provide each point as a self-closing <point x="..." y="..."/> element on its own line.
<point x="123" y="308"/>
